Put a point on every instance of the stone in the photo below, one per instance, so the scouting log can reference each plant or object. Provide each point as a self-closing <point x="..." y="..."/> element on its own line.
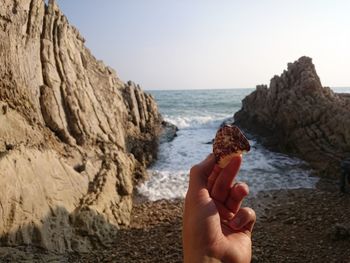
<point x="340" y="231"/>
<point x="297" y="115"/>
<point x="168" y="132"/>
<point x="74" y="138"/>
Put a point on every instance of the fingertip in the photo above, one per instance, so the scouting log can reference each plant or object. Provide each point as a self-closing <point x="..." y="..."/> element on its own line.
<point x="239" y="190"/>
<point x="199" y="173"/>
<point x="210" y="157"/>
<point x="208" y="161"/>
<point x="208" y="164"/>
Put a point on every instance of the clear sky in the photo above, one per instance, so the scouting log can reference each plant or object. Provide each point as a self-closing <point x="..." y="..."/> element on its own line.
<point x="207" y="44"/>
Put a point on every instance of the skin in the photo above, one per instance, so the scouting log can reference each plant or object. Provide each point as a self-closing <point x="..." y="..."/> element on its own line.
<point x="215" y="227"/>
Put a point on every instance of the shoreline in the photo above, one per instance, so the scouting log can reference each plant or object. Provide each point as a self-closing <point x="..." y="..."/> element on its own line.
<point x="294" y="225"/>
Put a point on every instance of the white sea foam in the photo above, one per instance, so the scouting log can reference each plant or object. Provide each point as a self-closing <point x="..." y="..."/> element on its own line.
<point x="165" y="184"/>
<point x="195" y="122"/>
<point x="261" y="169"/>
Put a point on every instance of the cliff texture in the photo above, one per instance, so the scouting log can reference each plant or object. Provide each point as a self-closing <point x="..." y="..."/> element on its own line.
<point x="295" y="114"/>
<point x="73" y="137"/>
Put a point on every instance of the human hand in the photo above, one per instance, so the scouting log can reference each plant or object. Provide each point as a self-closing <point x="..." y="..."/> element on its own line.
<point x="215" y="228"/>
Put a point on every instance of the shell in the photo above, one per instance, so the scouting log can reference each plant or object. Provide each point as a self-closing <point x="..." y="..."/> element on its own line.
<point x="229" y="141"/>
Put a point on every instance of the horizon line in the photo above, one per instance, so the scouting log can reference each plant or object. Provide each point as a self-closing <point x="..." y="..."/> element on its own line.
<point x="178" y="89"/>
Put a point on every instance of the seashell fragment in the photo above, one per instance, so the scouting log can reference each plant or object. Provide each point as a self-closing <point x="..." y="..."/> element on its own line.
<point x="229" y="142"/>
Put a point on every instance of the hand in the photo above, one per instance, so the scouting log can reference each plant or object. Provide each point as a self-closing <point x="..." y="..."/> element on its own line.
<point x="215" y="228"/>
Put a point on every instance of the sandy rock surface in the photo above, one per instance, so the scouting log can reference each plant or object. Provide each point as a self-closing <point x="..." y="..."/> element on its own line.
<point x="74" y="138"/>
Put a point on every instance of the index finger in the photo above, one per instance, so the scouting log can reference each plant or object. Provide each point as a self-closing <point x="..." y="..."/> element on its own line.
<point x="224" y="181"/>
<point x="213" y="176"/>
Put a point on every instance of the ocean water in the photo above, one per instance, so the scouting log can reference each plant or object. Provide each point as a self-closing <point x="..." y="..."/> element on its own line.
<point x="341" y="90"/>
<point x="198" y="114"/>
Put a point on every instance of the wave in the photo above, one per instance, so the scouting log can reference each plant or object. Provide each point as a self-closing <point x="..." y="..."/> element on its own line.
<point x="197" y="122"/>
<point x="261" y="169"/>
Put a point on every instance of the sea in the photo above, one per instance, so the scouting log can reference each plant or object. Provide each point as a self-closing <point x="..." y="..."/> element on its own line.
<point x="198" y="114"/>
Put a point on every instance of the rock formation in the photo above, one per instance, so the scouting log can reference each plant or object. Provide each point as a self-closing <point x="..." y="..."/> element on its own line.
<point x="296" y="115"/>
<point x="73" y="137"/>
<point x="169" y="132"/>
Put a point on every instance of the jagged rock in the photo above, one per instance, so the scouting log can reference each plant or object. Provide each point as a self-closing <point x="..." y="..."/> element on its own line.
<point x="295" y="114"/>
<point x="139" y="106"/>
<point x="73" y="137"/>
<point x="169" y="132"/>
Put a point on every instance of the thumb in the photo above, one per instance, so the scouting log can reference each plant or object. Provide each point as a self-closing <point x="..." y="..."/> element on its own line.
<point x="199" y="173"/>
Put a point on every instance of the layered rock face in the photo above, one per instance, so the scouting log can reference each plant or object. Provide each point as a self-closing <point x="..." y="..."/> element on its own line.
<point x="295" y="114"/>
<point x="73" y="137"/>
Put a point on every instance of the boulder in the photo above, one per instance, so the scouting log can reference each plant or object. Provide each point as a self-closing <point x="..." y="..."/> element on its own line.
<point x="74" y="138"/>
<point x="297" y="115"/>
<point x="169" y="132"/>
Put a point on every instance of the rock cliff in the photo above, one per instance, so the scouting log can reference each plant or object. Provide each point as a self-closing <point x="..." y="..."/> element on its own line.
<point x="73" y="137"/>
<point x="296" y="115"/>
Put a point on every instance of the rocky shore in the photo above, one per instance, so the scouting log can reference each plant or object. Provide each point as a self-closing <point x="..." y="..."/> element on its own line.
<point x="303" y="225"/>
<point x="297" y="115"/>
<point x="74" y="138"/>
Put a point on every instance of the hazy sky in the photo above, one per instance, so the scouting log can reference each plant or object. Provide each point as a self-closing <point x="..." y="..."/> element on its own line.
<point x="181" y="44"/>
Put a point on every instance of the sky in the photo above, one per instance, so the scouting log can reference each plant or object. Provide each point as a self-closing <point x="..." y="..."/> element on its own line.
<point x="214" y="44"/>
